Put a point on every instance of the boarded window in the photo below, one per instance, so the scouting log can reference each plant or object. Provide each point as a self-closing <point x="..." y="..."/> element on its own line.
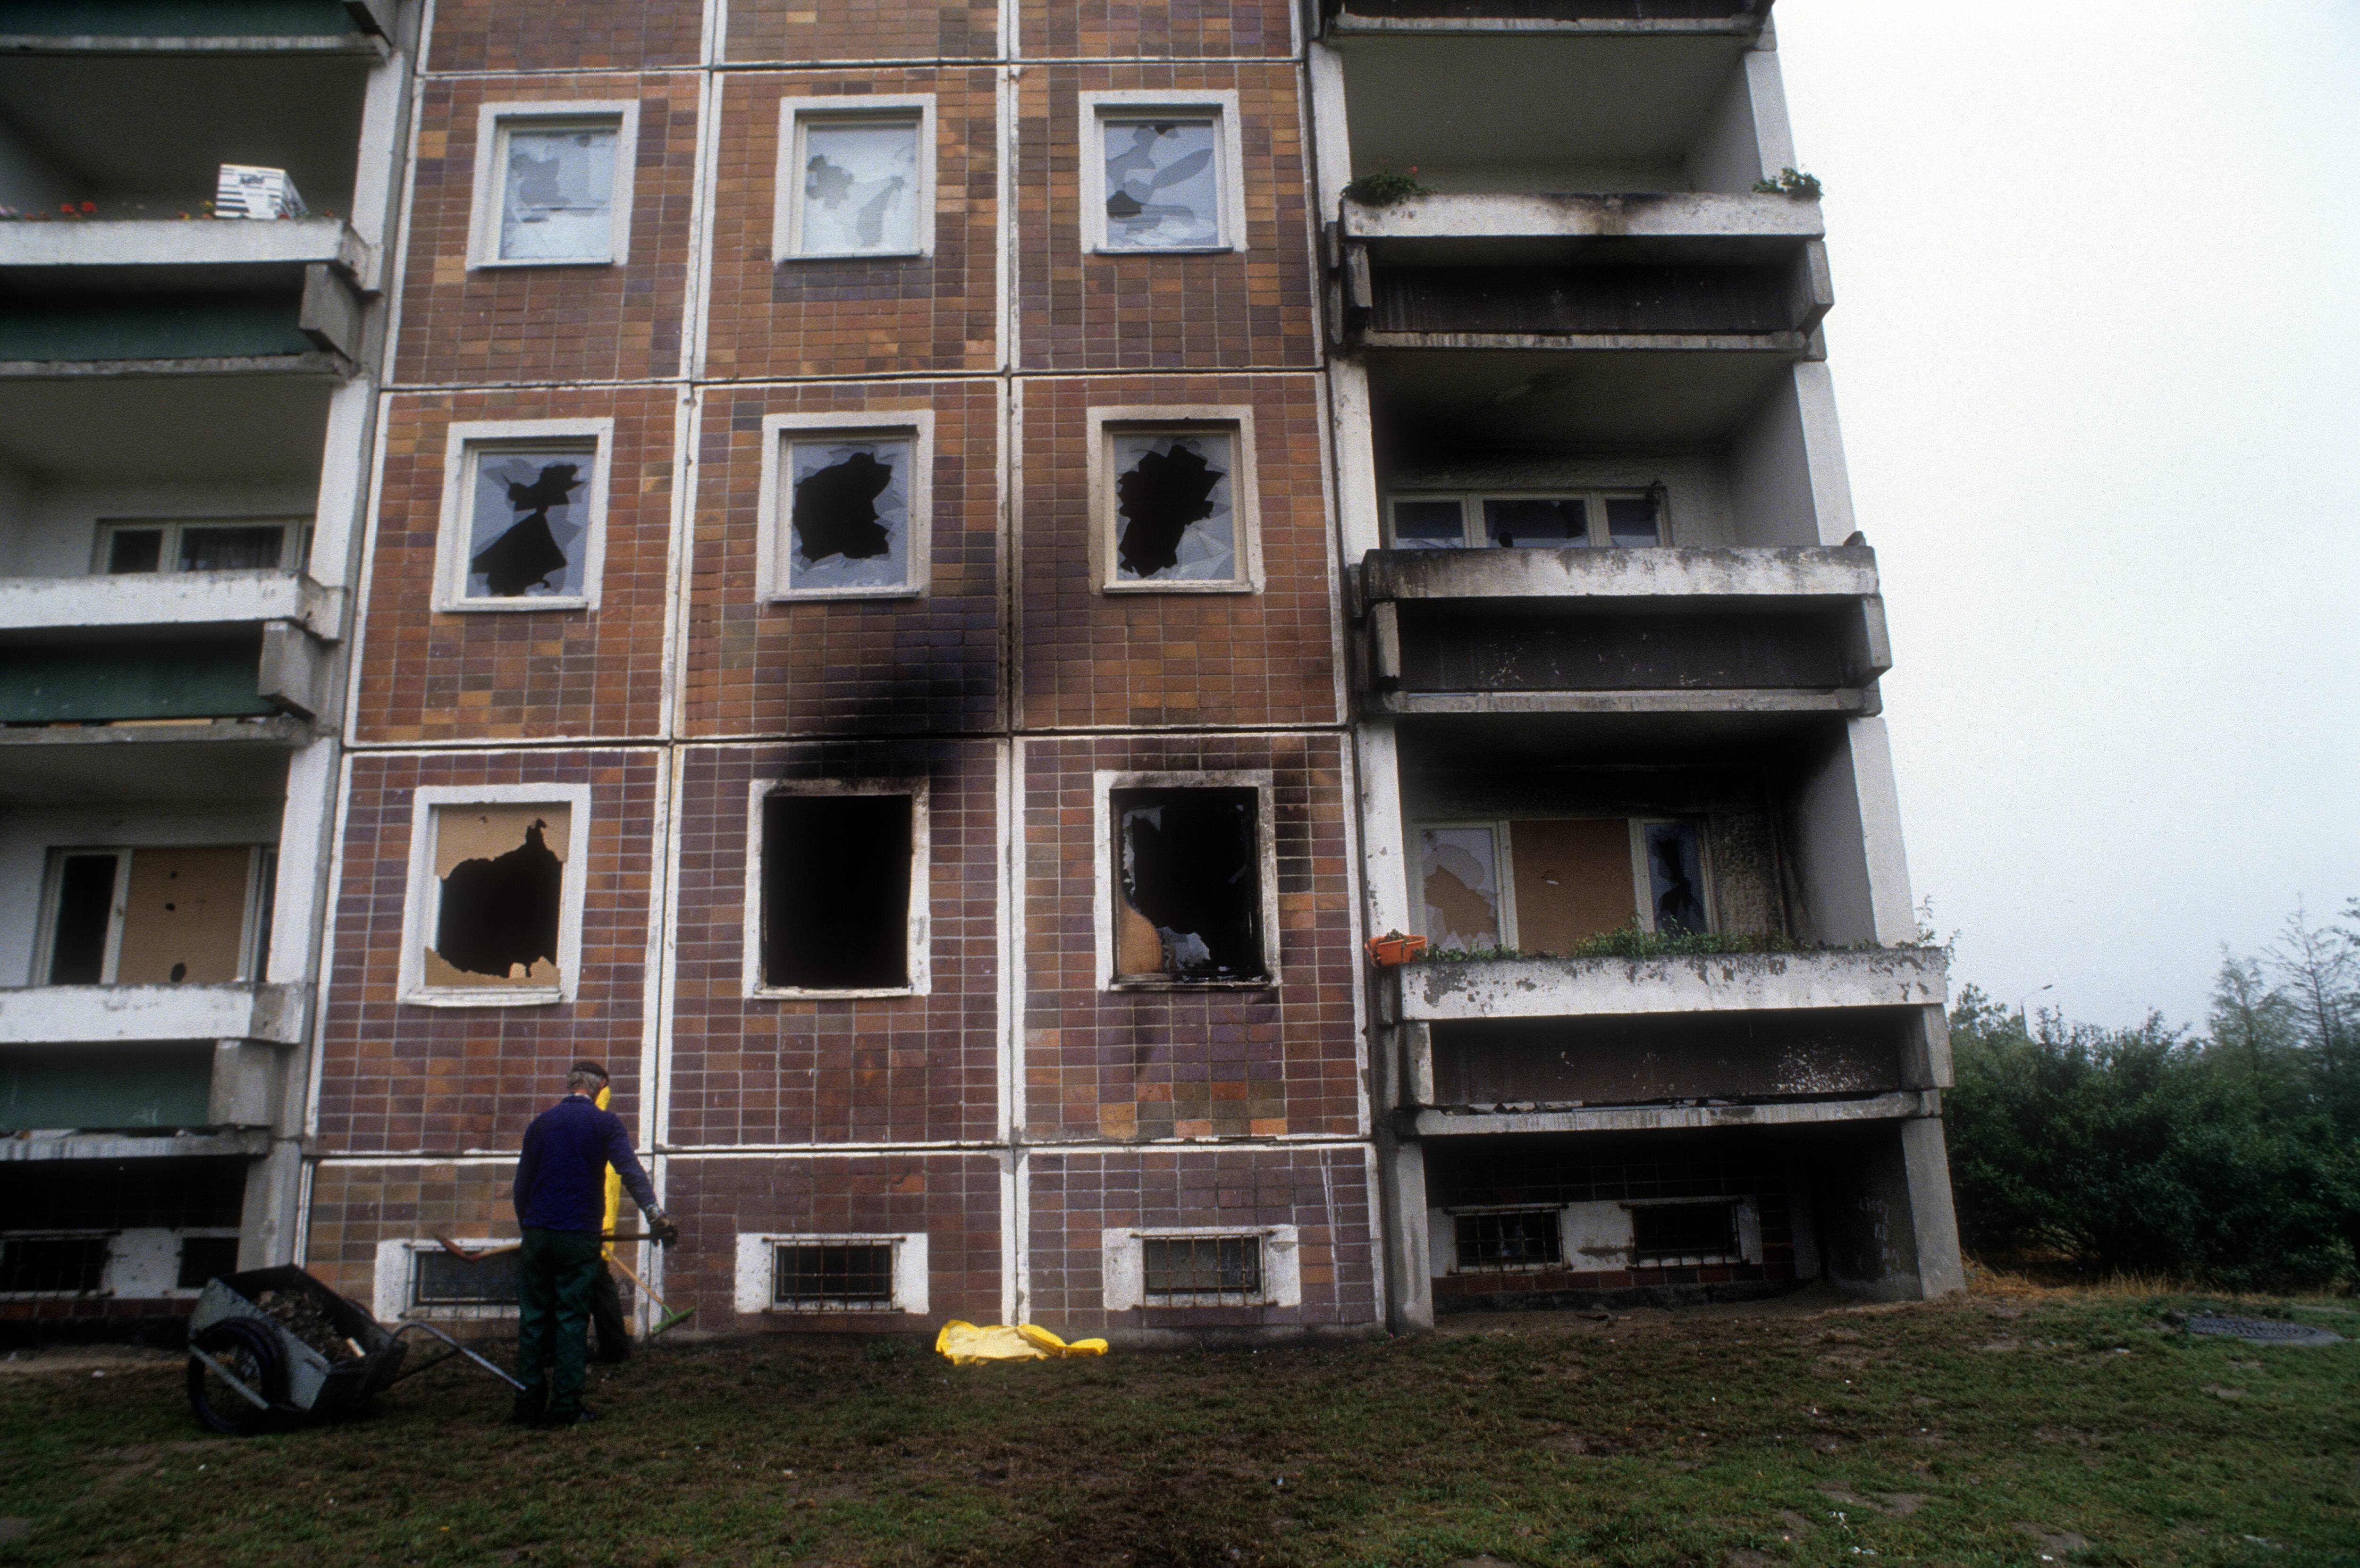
<point x="1674" y="1234"/>
<point x="1163" y="183"/>
<point x="1676" y="876"/>
<point x="1566" y="880"/>
<point x="1188" y="881"/>
<point x="1200" y="1270"/>
<point x="442" y="1280"/>
<point x="1522" y="1240"/>
<point x="1176" y="518"/>
<point x="184" y="916"/>
<point x="52" y="1265"/>
<point x="839" y="1277"/>
<point x="529" y="519"/>
<point x="1572" y="881"/>
<point x="500" y="871"/>
<point x="836" y="891"/>
<point x="557" y="192"/>
<point x="1461" y="887"/>
<point x="860" y="186"/>
<point x="204" y="1259"/>
<point x="848" y="513"/>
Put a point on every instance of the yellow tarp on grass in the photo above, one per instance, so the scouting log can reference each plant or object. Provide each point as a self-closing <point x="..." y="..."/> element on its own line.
<point x="967" y="1344"/>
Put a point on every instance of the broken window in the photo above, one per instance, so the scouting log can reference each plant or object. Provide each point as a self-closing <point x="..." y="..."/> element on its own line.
<point x="245" y="545"/>
<point x="1676" y="876"/>
<point x="499" y="873"/>
<point x="1162" y="181"/>
<point x="52" y="1265"/>
<point x="832" y="1277"/>
<point x="837" y="873"/>
<point x="1508" y="1241"/>
<point x="1675" y="1234"/>
<point x="439" y="1279"/>
<point x="1200" y="1270"/>
<point x="849" y="515"/>
<point x="1174" y="515"/>
<point x="161" y="916"/>
<point x="861" y="187"/>
<point x="1188" y="881"/>
<point x="529" y="519"/>
<point x="1568" y="520"/>
<point x="204" y="1259"/>
<point x="1546" y="884"/>
<point x="1461" y="887"/>
<point x="557" y="190"/>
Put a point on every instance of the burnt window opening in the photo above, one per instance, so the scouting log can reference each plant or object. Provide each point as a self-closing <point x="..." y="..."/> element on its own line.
<point x="849" y="515"/>
<point x="1671" y="1234"/>
<point x="832" y="1277"/>
<point x="204" y="1259"/>
<point x="836" y="874"/>
<point x="52" y="1265"/>
<point x="442" y="1280"/>
<point x="529" y="520"/>
<point x="1175" y="519"/>
<point x="1200" y="1270"/>
<point x="502" y="875"/>
<point x="1676" y="876"/>
<point x="1521" y="1240"/>
<point x="1188" y="872"/>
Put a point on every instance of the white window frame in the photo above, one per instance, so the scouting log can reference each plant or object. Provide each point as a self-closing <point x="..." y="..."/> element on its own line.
<point x="1593" y="499"/>
<point x="1124" y="1265"/>
<point x="758" y="1258"/>
<point x="1234" y="420"/>
<point x="462" y="442"/>
<point x="421" y="905"/>
<point x="492" y="123"/>
<point x="259" y="870"/>
<point x="1264" y="783"/>
<point x="1746" y="1222"/>
<point x="920" y="883"/>
<point x="1443" y="1246"/>
<point x="1217" y="106"/>
<point x="1503" y="849"/>
<point x="774" y="513"/>
<point x="786" y="210"/>
<point x="396" y="1273"/>
<point x="294" y="544"/>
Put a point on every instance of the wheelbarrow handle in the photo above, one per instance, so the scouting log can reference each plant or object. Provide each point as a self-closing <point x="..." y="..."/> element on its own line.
<point x="455" y="1346"/>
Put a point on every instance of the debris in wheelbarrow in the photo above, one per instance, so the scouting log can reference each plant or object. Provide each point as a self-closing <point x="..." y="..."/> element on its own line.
<point x="249" y="1371"/>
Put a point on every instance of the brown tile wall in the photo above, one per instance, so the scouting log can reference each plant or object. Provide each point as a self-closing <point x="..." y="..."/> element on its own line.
<point x="774" y="1070"/>
<point x="580" y="35"/>
<point x="1187" y="1063"/>
<point x="1092" y="658"/>
<point x="401" y="1078"/>
<point x="561" y="322"/>
<point x="855" y="316"/>
<point x="429" y="675"/>
<point x="793" y="30"/>
<point x="1102" y="29"/>
<point x="953" y="1198"/>
<point x="353" y="1207"/>
<point x="864" y="666"/>
<point x="1085" y="311"/>
<point x="1323" y="1191"/>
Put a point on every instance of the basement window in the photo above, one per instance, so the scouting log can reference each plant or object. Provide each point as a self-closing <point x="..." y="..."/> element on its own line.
<point x="1570" y="519"/>
<point x="554" y="183"/>
<point x="439" y="1279"/>
<point x="1545" y="884"/>
<point x="1189" y="878"/>
<point x="157" y="916"/>
<point x="1161" y="177"/>
<point x="836" y="895"/>
<point x="204" y="1259"/>
<point x="1507" y="1241"/>
<point x="1684" y="1234"/>
<point x="214" y="544"/>
<point x="494" y="911"/>
<point x="856" y="178"/>
<point x="52" y="1265"/>
<point x="832" y="1273"/>
<point x="524" y="515"/>
<point x="1201" y="1270"/>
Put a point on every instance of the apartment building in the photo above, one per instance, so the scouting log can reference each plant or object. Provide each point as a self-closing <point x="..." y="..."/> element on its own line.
<point x="919" y="580"/>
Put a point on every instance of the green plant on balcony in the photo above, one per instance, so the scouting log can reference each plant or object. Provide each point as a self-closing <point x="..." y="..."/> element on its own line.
<point x="1386" y="188"/>
<point x="1790" y="182"/>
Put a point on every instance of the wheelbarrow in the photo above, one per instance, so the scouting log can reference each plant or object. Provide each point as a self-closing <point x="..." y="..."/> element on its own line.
<point x="248" y="1372"/>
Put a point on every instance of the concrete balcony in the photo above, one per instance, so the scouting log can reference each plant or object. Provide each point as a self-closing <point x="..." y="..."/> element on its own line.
<point x="117" y="1014"/>
<point x="167" y="253"/>
<point x="1638" y="630"/>
<point x="258" y="26"/>
<point x="172" y="599"/>
<point x="1721" y="983"/>
<point x="109" y="1063"/>
<point x="1699" y="225"/>
<point x="1606" y="18"/>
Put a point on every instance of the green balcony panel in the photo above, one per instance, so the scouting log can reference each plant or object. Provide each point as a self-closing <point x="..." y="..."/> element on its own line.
<point x="216" y="678"/>
<point x="105" y="1088"/>
<point x="157" y="326"/>
<point x="175" y="18"/>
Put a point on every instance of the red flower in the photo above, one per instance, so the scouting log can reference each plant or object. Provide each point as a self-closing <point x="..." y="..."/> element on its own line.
<point x="90" y="206"/>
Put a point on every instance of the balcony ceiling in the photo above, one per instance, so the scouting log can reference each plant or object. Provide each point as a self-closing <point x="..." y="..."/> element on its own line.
<point x="1432" y="406"/>
<point x="151" y="430"/>
<point x="131" y="772"/>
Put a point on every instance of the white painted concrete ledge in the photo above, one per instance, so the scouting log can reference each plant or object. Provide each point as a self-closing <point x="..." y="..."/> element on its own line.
<point x="1770" y="982"/>
<point x="101" y="1015"/>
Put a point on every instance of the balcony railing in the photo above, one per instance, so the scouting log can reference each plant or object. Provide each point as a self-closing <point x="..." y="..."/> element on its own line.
<point x="1611" y="16"/>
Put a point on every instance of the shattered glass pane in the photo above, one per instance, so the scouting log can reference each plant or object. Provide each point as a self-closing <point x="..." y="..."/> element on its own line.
<point x="860" y="188"/>
<point x="1429" y="525"/>
<point x="247" y="547"/>
<point x="1631" y="520"/>
<point x="1171" y="500"/>
<point x="1676" y="876"/>
<point x="557" y="200"/>
<point x="848" y="514"/>
<point x="1188" y="867"/>
<point x="1162" y="190"/>
<point x="1545" y="520"/>
<point x="1462" y="888"/>
<point x="529" y="516"/>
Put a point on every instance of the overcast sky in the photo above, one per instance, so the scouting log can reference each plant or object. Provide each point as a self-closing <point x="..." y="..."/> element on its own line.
<point x="2096" y="344"/>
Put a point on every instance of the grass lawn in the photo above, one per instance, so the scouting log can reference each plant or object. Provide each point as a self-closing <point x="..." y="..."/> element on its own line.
<point x="1994" y="1429"/>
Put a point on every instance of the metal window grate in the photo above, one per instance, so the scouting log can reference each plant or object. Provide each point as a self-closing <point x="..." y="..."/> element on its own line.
<point x="1201" y="1270"/>
<point x="833" y="1276"/>
<point x="439" y="1280"/>
<point x="52" y="1265"/>
<point x="1523" y="1240"/>
<point x="1676" y="1235"/>
<point x="204" y="1259"/>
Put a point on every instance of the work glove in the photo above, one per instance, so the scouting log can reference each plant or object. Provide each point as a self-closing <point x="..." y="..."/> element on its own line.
<point x="662" y="1229"/>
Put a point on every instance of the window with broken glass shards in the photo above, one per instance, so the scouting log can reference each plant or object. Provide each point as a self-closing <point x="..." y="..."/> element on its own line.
<point x="557" y="189"/>
<point x="498" y="894"/>
<point x="852" y="527"/>
<point x="528" y="521"/>
<point x="856" y="186"/>
<point x="1187" y="879"/>
<point x="1161" y="181"/>
<point x="1546" y="884"/>
<point x="1176" y="520"/>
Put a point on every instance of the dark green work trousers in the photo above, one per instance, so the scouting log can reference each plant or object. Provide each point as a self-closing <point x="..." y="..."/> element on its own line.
<point x="555" y="1277"/>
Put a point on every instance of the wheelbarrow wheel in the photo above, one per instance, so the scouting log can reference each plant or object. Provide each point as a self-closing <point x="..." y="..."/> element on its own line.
<point x="253" y="1354"/>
